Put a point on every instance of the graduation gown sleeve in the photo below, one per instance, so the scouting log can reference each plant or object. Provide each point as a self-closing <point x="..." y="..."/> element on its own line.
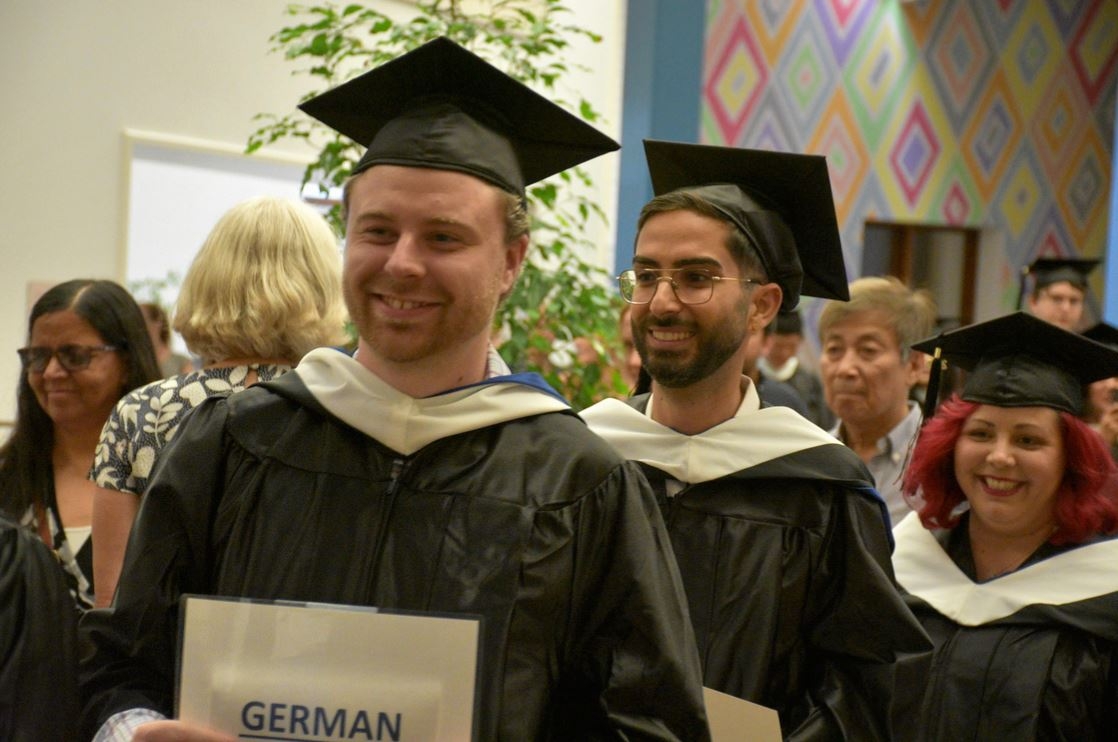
<point x="135" y="643"/>
<point x="859" y="626"/>
<point x="38" y="644"/>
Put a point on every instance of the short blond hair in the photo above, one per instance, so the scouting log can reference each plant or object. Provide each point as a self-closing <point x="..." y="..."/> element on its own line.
<point x="909" y="313"/>
<point x="267" y="284"/>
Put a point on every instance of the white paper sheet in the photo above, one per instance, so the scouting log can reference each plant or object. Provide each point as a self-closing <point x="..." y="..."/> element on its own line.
<point x="294" y="672"/>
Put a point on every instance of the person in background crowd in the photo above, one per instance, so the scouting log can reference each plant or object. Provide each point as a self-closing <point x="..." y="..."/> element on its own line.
<point x="420" y="474"/>
<point x="779" y="362"/>
<point x="170" y="362"/>
<point x="1009" y="564"/>
<point x="264" y="290"/>
<point x="87" y="345"/>
<point x="771" y="391"/>
<point x="780" y="538"/>
<point x="868" y="372"/>
<point x="1059" y="290"/>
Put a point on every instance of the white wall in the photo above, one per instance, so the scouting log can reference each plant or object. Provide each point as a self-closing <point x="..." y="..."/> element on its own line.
<point x="74" y="76"/>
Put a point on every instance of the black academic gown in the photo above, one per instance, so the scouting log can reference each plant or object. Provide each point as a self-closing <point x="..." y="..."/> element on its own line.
<point x="786" y="567"/>
<point x="532" y="523"/>
<point x="1032" y="655"/>
<point x="38" y="644"/>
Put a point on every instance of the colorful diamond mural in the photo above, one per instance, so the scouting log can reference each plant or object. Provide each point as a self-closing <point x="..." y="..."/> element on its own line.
<point x="1024" y="195"/>
<point x="874" y="78"/>
<point x="737" y="79"/>
<point x="956" y="204"/>
<point x="1084" y="192"/>
<point x="991" y="138"/>
<point x="1030" y="59"/>
<point x="847" y="159"/>
<point x="962" y="59"/>
<point x="998" y="113"/>
<point x="806" y="77"/>
<point x="1094" y="50"/>
<point x="770" y="127"/>
<point x="774" y="22"/>
<point x="843" y="21"/>
<point x="1065" y="14"/>
<point x="1058" y="123"/>
<point x="914" y="154"/>
<point x="1053" y="240"/>
<point x="957" y="201"/>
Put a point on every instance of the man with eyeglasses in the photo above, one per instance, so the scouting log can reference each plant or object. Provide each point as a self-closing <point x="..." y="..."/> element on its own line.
<point x="780" y="536"/>
<point x="1059" y="290"/>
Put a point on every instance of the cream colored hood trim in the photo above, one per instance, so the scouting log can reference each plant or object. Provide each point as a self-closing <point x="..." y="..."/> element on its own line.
<point x="925" y="570"/>
<point x="753" y="436"/>
<point x="359" y="398"/>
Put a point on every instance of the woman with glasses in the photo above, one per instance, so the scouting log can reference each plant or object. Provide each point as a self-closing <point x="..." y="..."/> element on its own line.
<point x="87" y="346"/>
<point x="264" y="289"/>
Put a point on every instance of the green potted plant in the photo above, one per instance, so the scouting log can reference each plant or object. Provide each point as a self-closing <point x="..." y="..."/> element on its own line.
<point x="561" y="320"/>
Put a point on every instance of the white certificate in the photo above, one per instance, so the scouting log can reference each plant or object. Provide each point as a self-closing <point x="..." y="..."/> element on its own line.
<point x="294" y="671"/>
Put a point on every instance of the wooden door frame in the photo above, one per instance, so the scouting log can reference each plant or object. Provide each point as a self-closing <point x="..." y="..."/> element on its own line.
<point x="902" y="256"/>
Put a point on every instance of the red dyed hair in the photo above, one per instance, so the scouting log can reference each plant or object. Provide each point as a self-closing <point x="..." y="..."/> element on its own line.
<point x="1086" y="502"/>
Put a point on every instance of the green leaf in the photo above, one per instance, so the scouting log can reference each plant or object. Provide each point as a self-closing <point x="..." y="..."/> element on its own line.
<point x="319" y="45"/>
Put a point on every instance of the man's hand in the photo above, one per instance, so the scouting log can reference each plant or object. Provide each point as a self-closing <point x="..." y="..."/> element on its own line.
<point x="178" y="731"/>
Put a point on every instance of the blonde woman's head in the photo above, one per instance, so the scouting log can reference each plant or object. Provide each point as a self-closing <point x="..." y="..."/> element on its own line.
<point x="265" y="285"/>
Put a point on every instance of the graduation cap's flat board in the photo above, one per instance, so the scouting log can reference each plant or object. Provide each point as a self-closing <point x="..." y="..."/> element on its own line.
<point x="441" y="106"/>
<point x="1021" y="361"/>
<point x="781" y="201"/>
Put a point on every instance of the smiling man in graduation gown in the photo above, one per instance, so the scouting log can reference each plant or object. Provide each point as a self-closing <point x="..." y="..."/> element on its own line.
<point x="420" y="475"/>
<point x="779" y="534"/>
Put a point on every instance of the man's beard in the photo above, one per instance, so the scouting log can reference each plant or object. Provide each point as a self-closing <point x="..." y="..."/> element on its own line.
<point x="673" y="369"/>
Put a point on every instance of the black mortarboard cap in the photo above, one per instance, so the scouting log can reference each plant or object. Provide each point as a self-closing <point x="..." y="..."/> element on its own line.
<point x="1021" y="361"/>
<point x="1047" y="271"/>
<point x="443" y="107"/>
<point x="782" y="203"/>
<point x="1104" y="333"/>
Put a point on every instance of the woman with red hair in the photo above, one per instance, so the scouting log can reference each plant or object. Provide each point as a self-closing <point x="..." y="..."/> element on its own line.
<point x="1011" y="561"/>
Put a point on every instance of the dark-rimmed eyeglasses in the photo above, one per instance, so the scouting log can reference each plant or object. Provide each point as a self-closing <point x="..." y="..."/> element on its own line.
<point x="36" y="358"/>
<point x="691" y="285"/>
